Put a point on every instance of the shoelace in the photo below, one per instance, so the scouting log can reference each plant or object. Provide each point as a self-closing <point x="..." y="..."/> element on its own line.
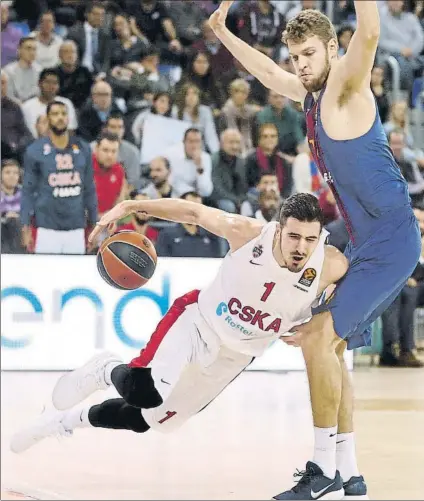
<point x="305" y="478"/>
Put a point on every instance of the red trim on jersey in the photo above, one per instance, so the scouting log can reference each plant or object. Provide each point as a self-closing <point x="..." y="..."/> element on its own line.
<point x="173" y="314"/>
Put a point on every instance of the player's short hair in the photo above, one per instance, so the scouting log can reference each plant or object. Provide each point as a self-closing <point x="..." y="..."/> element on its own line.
<point x="48" y="72"/>
<point x="309" y="23"/>
<point x="55" y="103"/>
<point x="303" y="207"/>
<point x="108" y="136"/>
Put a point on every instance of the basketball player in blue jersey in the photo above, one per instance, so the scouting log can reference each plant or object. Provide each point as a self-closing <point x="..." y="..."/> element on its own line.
<point x="350" y="149"/>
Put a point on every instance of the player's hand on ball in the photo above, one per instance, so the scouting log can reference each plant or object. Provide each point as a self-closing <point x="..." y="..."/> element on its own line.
<point x="108" y="220"/>
<point x="217" y="19"/>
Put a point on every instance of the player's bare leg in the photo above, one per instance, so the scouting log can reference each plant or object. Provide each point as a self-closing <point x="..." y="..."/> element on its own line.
<point x="346" y="463"/>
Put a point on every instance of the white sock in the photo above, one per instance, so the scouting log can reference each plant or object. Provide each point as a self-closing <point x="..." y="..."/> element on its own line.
<point x="325" y="450"/>
<point x="108" y="371"/>
<point x="76" y="418"/>
<point x="346" y="456"/>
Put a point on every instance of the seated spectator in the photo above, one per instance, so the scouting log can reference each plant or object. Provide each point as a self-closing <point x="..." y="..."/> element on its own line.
<point x="145" y="79"/>
<point x="10" y="37"/>
<point x="37" y="106"/>
<point x="109" y="175"/>
<point x="10" y="207"/>
<point x="159" y="187"/>
<point x="92" y="42"/>
<point x="267" y="182"/>
<point x="306" y="176"/>
<point x="187" y="240"/>
<point x="187" y="18"/>
<point x="128" y="154"/>
<point x="399" y="119"/>
<point x="238" y="114"/>
<point x="15" y="135"/>
<point x="23" y="74"/>
<point x="288" y="123"/>
<point x="409" y="168"/>
<point x="221" y="59"/>
<point x="138" y="221"/>
<point x="191" y="168"/>
<point x="150" y="19"/>
<point x="125" y="48"/>
<point x="95" y="112"/>
<point x="344" y="36"/>
<point x="402" y="37"/>
<point x="398" y="327"/>
<point x="380" y="94"/>
<point x="228" y="173"/>
<point x="199" y="73"/>
<point x="75" y="80"/>
<point x="42" y="126"/>
<point x="262" y="26"/>
<point x="269" y="204"/>
<point x="48" y="43"/>
<point x="267" y="158"/>
<point x="188" y="108"/>
<point x="161" y="106"/>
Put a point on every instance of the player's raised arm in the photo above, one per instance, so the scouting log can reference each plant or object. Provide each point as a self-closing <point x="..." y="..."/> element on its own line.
<point x="236" y="229"/>
<point x="356" y="65"/>
<point x="261" y="66"/>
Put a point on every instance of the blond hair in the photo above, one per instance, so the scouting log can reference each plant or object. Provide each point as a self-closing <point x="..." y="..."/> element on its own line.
<point x="309" y="23"/>
<point x="239" y="84"/>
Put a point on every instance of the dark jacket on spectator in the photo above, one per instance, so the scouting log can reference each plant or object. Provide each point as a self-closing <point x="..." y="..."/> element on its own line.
<point x="15" y="135"/>
<point x="101" y="62"/>
<point x="178" y="242"/>
<point x="75" y="86"/>
<point x="228" y="178"/>
<point x="90" y="124"/>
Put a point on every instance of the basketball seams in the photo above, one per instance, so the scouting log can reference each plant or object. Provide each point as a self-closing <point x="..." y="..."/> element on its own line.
<point x="133" y="246"/>
<point x="123" y="263"/>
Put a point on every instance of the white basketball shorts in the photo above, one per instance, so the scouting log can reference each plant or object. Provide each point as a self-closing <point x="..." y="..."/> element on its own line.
<point x="190" y="366"/>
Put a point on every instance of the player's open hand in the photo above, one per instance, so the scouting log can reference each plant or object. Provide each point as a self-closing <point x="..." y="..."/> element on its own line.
<point x="218" y="18"/>
<point x="108" y="220"/>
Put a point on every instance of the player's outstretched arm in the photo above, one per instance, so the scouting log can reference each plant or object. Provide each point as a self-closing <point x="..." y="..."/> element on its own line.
<point x="356" y="65"/>
<point x="261" y="66"/>
<point x="236" y="229"/>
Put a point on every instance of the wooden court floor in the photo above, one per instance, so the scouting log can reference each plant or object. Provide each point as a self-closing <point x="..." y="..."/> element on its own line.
<point x="246" y="445"/>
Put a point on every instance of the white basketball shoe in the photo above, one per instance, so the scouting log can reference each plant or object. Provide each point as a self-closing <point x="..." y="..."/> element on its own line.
<point x="47" y="425"/>
<point x="74" y="387"/>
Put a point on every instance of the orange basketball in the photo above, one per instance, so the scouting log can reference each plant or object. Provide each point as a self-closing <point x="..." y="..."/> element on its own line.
<point x="126" y="260"/>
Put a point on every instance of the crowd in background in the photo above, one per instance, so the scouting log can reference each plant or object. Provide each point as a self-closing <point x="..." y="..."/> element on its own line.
<point x="164" y="110"/>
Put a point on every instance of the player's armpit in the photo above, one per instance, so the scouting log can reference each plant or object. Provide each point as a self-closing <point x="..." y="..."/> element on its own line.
<point x="236" y="229"/>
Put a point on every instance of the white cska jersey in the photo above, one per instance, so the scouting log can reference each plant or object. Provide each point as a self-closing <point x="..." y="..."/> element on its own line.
<point x="253" y="301"/>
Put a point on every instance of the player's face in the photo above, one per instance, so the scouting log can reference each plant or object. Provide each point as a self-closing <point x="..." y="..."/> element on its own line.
<point x="311" y="61"/>
<point x="107" y="153"/>
<point x="58" y="119"/>
<point x="298" y="241"/>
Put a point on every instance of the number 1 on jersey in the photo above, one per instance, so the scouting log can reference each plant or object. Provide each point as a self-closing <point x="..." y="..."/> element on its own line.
<point x="268" y="286"/>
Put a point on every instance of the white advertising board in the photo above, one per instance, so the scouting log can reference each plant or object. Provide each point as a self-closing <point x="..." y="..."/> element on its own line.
<point x="56" y="312"/>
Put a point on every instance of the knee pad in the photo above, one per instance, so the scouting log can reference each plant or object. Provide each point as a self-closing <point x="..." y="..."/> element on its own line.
<point x="136" y="386"/>
<point x="118" y="415"/>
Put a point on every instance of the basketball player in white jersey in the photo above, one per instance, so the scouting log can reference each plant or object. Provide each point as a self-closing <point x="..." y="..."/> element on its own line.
<point x="266" y="285"/>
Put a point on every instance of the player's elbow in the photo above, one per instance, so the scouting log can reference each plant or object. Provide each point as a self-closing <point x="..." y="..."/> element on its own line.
<point x="370" y="35"/>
